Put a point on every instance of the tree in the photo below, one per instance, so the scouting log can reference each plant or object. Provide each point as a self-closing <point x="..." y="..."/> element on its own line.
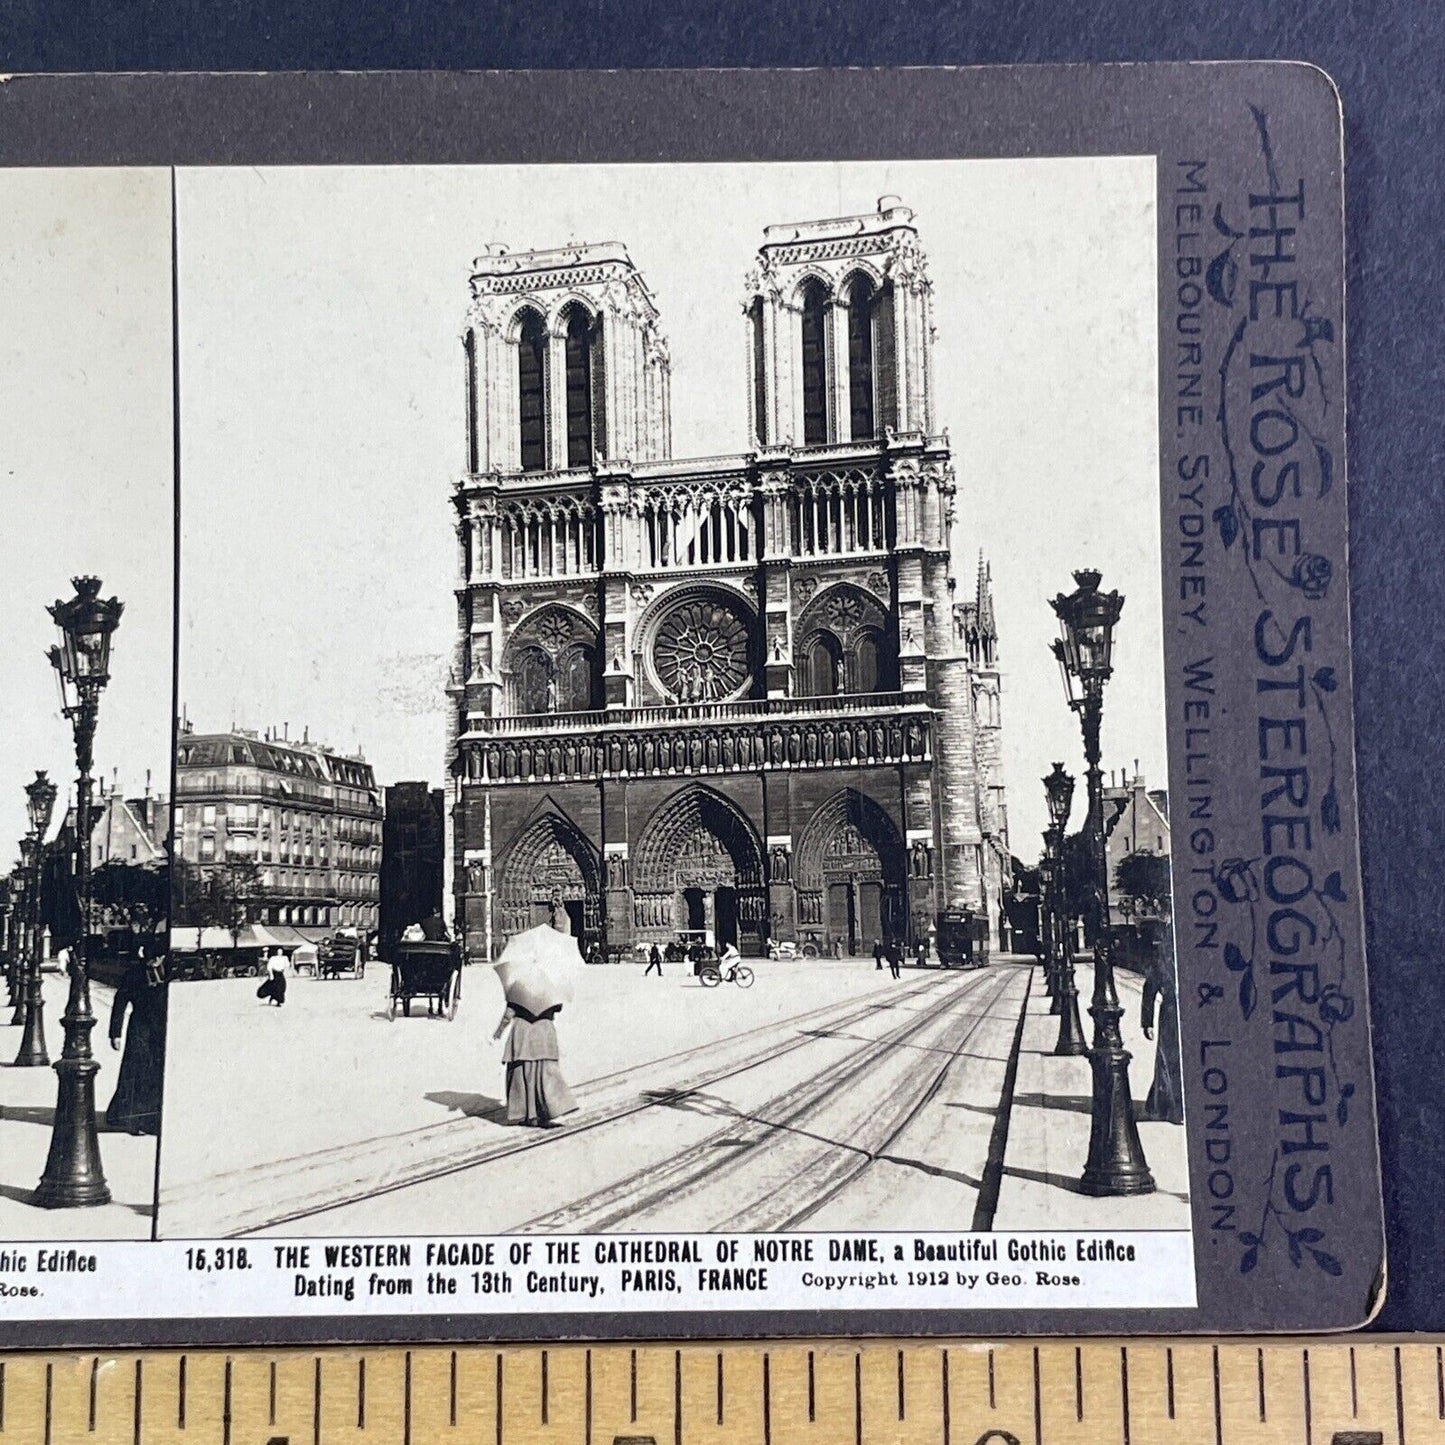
<point x="219" y="896"/>
<point x="193" y="899"/>
<point x="131" y="896"/>
<point x="1144" y="877"/>
<point x="237" y="883"/>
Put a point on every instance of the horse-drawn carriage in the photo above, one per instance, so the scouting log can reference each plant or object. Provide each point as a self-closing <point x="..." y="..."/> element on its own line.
<point x="341" y="953"/>
<point x="429" y="970"/>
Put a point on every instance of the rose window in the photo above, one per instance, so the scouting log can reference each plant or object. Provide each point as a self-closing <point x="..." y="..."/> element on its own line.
<point x="555" y="632"/>
<point x="700" y="651"/>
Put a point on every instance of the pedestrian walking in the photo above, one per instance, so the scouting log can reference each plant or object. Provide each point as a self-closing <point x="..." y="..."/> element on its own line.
<point x="136" y="1107"/>
<point x="1165" y="1101"/>
<point x="274" y="988"/>
<point x="895" y="957"/>
<point x="921" y="953"/>
<point x="654" y="960"/>
<point x="537" y="1093"/>
<point x="878" y="953"/>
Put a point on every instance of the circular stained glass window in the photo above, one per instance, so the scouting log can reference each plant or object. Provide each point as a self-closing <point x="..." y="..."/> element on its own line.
<point x="700" y="650"/>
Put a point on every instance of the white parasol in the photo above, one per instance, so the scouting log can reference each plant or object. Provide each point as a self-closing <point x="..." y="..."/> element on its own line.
<point x="538" y="968"/>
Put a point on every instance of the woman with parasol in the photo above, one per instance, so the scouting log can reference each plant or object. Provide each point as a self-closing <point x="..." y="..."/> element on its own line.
<point x="535" y="974"/>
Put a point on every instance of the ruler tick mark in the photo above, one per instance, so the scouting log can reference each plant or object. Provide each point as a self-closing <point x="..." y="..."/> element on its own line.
<point x="49" y="1399"/>
<point x="858" y="1399"/>
<point x="587" y="1398"/>
<point x="1399" y="1400"/>
<point x="1439" y="1383"/>
<point x="544" y="1387"/>
<point x="226" y="1405"/>
<point x="499" y="1398"/>
<point x="991" y="1401"/>
<point x="361" y="1393"/>
<point x="947" y="1422"/>
<point x="1168" y="1382"/>
<point x="900" y="1386"/>
<point x="181" y="1395"/>
<point x="1354" y="1387"/>
<point x="452" y="1404"/>
<point x="1259" y="1376"/>
<point x="139" y="1395"/>
<point x="719" y="1387"/>
<point x="677" y="1397"/>
<point x="812" y="1396"/>
<point x="767" y="1400"/>
<point x="1309" y="1403"/>
<point x="1124" y="1387"/>
<point x="94" y="1390"/>
<point x="1218" y="1405"/>
<point x="1078" y="1383"/>
<point x="1038" y="1403"/>
<point x="406" y="1402"/>
<point x="316" y="1402"/>
<point x="634" y="1387"/>
<point x="271" y="1413"/>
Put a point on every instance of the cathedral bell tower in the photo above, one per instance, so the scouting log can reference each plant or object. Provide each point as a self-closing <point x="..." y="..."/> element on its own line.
<point x="838" y="331"/>
<point x="565" y="364"/>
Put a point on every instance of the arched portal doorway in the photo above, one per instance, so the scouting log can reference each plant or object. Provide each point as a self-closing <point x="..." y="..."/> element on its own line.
<point x="550" y="875"/>
<point x="852" y="874"/>
<point x="699" y="871"/>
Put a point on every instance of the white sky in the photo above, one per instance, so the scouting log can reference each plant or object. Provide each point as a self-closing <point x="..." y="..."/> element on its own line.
<point x="322" y="419"/>
<point x="85" y="465"/>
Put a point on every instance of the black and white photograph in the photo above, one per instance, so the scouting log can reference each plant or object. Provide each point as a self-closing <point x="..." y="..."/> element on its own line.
<point x="671" y="704"/>
<point x="87" y="458"/>
<point x="680" y="736"/>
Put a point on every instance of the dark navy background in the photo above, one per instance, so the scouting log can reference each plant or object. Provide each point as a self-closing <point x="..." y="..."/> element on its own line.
<point x="1388" y="60"/>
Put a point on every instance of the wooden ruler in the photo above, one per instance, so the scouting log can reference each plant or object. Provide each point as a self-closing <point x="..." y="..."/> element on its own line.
<point x="1338" y="1391"/>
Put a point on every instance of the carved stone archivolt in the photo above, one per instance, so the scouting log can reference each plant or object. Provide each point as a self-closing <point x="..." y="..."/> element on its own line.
<point x="851" y="835"/>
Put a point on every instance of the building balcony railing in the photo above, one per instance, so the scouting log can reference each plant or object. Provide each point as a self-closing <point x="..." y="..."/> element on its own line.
<point x="684" y="713"/>
<point x="700" y="738"/>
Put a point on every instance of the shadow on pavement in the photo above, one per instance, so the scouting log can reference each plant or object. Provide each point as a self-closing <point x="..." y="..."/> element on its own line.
<point x="474" y="1106"/>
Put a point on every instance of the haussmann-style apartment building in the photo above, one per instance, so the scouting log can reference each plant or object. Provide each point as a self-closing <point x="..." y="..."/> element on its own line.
<point x="307" y="817"/>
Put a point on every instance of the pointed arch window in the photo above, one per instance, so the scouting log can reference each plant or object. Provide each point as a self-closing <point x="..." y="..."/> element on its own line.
<point x="532" y="391"/>
<point x="469" y="346"/>
<point x="760" y="371"/>
<point x="825" y="666"/>
<point x="584" y="389"/>
<point x="816" y="368"/>
<point x="871" y="665"/>
<point x="861" y="298"/>
<point x="885" y="360"/>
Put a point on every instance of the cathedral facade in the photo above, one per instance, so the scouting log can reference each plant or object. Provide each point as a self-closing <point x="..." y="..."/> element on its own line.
<point x="740" y="695"/>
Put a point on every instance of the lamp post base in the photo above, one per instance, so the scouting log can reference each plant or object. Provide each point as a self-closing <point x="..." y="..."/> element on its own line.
<point x="33" y="1053"/>
<point x="73" y="1177"/>
<point x="1071" y="1043"/>
<point x="1116" y="1164"/>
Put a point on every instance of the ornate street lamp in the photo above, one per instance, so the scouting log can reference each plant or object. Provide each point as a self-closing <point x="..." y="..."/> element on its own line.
<point x="1084" y="649"/>
<point x="1059" y="786"/>
<point x="73" y="1176"/>
<point x="1046" y="924"/>
<point x="39" y="804"/>
<point x="19" y="939"/>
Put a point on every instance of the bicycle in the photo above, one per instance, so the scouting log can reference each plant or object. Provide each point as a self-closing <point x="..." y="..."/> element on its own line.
<point x="711" y="975"/>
